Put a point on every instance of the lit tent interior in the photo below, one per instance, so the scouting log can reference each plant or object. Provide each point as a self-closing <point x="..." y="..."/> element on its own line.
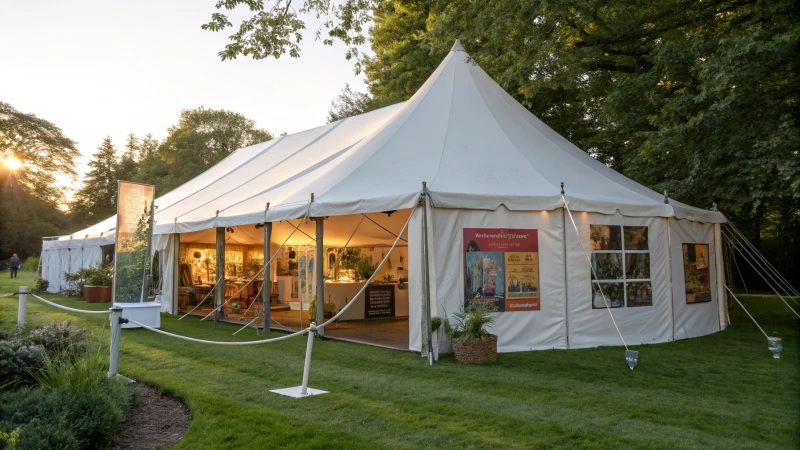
<point x="488" y="164"/>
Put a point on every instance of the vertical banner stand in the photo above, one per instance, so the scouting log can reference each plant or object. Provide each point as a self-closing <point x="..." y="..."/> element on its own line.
<point x="303" y="390"/>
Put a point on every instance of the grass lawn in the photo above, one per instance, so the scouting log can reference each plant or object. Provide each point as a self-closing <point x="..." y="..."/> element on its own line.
<point x="718" y="391"/>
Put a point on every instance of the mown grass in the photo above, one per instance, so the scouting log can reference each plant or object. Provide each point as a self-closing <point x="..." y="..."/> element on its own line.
<point x="718" y="391"/>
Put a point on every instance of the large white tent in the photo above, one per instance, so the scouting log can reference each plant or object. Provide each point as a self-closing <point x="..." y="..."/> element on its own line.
<point x="488" y="163"/>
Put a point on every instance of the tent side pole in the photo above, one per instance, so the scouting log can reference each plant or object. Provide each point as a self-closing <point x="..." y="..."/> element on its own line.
<point x="319" y="273"/>
<point x="427" y="350"/>
<point x="219" y="294"/>
<point x="722" y="294"/>
<point x="176" y="270"/>
<point x="566" y="279"/>
<point x="671" y="294"/>
<point x="266" y="289"/>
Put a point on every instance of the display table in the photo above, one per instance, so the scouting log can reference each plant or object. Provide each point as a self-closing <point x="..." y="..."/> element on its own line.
<point x="340" y="292"/>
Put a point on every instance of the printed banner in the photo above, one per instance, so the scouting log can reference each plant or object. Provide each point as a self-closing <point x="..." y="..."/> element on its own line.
<point x="379" y="301"/>
<point x="134" y="208"/>
<point x="501" y="266"/>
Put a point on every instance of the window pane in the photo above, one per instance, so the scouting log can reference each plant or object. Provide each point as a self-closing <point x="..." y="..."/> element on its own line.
<point x="635" y="238"/>
<point x="640" y="294"/>
<point x="637" y="265"/>
<point x="606" y="237"/>
<point x="608" y="266"/>
<point x="695" y="272"/>
<point x="614" y="295"/>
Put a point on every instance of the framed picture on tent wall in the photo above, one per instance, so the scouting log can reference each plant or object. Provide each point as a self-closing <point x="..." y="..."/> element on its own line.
<point x="696" y="276"/>
<point x="501" y="268"/>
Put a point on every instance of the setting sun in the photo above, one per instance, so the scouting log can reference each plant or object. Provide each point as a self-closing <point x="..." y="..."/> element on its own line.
<point x="13" y="163"/>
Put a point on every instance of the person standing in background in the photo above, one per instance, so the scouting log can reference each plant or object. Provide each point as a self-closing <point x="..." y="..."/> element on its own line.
<point x="14" y="264"/>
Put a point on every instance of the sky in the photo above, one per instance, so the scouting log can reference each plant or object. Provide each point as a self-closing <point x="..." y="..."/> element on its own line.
<point x="99" y="68"/>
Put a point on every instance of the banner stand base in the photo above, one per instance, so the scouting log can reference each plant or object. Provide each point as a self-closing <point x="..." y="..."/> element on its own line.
<point x="297" y="392"/>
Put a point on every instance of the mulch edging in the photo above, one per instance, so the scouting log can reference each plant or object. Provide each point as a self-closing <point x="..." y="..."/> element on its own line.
<point x="155" y="421"/>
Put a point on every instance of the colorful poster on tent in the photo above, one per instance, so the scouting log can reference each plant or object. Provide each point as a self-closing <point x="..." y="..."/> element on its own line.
<point x="501" y="267"/>
<point x="697" y="278"/>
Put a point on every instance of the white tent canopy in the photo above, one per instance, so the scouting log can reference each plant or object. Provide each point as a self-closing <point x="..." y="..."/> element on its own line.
<point x="488" y="163"/>
<point x="476" y="147"/>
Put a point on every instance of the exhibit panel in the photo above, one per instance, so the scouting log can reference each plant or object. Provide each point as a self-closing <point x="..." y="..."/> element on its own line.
<point x="490" y="257"/>
<point x="694" y="277"/>
<point x="630" y="259"/>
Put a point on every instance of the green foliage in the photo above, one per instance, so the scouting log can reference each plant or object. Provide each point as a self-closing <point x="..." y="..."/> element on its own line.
<point x="329" y="309"/>
<point x="471" y="322"/>
<point x="364" y="267"/>
<point x="97" y="199"/>
<point x="274" y="27"/>
<point x="436" y="323"/>
<point x="100" y="275"/>
<point x="40" y="284"/>
<point x="43" y="149"/>
<point x="202" y="138"/>
<point x="25" y="351"/>
<point x="349" y="103"/>
<point x="31" y="264"/>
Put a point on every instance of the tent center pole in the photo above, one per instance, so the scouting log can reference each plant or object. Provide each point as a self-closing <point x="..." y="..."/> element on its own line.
<point x="428" y="347"/>
<point x="219" y="294"/>
<point x="266" y="288"/>
<point x="566" y="280"/>
<point x="319" y="273"/>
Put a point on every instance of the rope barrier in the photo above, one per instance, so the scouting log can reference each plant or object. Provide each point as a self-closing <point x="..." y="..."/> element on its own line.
<point x="746" y="311"/>
<point x="364" y="287"/>
<point x="10" y="295"/>
<point x="203" y="341"/>
<point x="588" y="258"/>
<point x="66" y="307"/>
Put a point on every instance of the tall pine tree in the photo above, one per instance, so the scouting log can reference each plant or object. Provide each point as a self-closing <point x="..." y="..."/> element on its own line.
<point x="96" y="200"/>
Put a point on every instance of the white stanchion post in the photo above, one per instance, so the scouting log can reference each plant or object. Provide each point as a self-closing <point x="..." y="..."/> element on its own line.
<point x="116" y="328"/>
<point x="23" y="300"/>
<point x="307" y="365"/>
<point x="303" y="390"/>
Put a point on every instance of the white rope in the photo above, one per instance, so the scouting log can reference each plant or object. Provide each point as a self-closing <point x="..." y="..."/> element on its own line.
<point x="727" y="235"/>
<point x="381" y="226"/>
<point x="248" y="324"/>
<point x="786" y="284"/>
<point x="203" y="341"/>
<point x="255" y="300"/>
<point x="364" y="287"/>
<point x="10" y="295"/>
<point x="745" y="310"/>
<point x="588" y="258"/>
<point x="66" y="307"/>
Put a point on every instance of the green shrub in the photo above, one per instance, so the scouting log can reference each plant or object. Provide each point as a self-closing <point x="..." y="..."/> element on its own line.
<point x="25" y="351"/>
<point x="471" y="323"/>
<point x="31" y="264"/>
<point x="40" y="284"/>
<point x="100" y="275"/>
<point x="17" y="359"/>
<point x="59" y="418"/>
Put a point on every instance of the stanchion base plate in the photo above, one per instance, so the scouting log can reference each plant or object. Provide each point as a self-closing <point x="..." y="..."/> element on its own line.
<point x="296" y="392"/>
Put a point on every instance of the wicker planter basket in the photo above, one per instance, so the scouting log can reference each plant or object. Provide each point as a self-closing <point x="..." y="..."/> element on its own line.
<point x="476" y="351"/>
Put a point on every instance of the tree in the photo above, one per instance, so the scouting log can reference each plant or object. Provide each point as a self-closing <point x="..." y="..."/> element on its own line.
<point x="43" y="148"/>
<point x="275" y="27"/>
<point x="129" y="161"/>
<point x="202" y="138"/>
<point x="349" y="103"/>
<point x="97" y="199"/>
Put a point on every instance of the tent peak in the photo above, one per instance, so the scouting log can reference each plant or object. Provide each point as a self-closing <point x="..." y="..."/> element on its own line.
<point x="457" y="47"/>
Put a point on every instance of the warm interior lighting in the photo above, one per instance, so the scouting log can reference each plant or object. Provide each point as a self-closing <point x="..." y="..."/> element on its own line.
<point x="13" y="163"/>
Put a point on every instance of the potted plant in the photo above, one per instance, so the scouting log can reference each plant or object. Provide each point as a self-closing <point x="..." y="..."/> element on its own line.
<point x="436" y="324"/>
<point x="472" y="343"/>
<point x="96" y="284"/>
